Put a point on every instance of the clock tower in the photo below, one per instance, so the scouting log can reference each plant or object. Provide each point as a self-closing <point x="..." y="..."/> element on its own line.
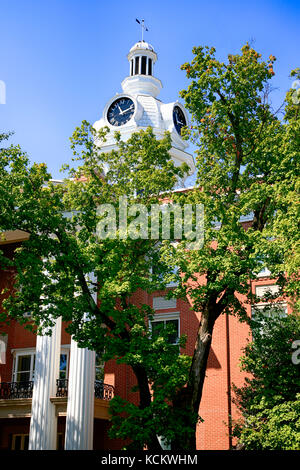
<point x="137" y="107"/>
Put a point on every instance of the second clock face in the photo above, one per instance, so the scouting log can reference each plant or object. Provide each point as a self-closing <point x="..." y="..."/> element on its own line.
<point x="120" y="111"/>
<point x="179" y="119"/>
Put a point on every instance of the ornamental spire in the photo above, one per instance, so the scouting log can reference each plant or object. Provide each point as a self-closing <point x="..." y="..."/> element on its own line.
<point x="143" y="27"/>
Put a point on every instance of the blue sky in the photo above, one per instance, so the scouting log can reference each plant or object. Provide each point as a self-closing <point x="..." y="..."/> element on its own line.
<point x="62" y="60"/>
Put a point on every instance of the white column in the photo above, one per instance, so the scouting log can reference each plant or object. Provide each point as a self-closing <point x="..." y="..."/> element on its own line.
<point x="80" y="409"/>
<point x="43" y="423"/>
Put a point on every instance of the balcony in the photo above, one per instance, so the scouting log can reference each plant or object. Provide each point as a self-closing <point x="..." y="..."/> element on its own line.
<point x="102" y="391"/>
<point x="13" y="390"/>
<point x="16" y="397"/>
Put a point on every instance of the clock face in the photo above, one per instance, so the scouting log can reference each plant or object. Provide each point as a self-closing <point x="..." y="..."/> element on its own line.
<point x="179" y="119"/>
<point x="120" y="111"/>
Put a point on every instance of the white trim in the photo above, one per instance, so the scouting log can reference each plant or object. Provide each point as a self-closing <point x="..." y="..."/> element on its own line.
<point x="166" y="316"/>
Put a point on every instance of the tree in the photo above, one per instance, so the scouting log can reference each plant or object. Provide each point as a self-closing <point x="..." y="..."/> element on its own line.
<point x="269" y="400"/>
<point x="247" y="161"/>
<point x="53" y="267"/>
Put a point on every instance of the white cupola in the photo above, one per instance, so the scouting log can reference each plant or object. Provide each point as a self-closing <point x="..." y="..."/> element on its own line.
<point x="142" y="58"/>
<point x="137" y="107"/>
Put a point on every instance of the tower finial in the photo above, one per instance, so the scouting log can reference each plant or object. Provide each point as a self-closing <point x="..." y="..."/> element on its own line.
<point x="143" y="27"/>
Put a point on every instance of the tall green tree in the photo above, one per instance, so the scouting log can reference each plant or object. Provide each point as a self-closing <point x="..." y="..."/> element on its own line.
<point x="247" y="159"/>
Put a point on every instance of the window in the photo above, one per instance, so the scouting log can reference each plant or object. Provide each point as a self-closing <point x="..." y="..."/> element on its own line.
<point x="262" y="290"/>
<point x="270" y="309"/>
<point x="161" y="303"/>
<point x="149" y="67"/>
<point x="23" y="370"/>
<point x="264" y="273"/>
<point x="60" y="445"/>
<point x="24" y="365"/>
<point x="20" y="442"/>
<point x="143" y="65"/>
<point x="63" y="366"/>
<point x="3" y="348"/>
<point x="261" y="312"/>
<point x="264" y="305"/>
<point x="99" y="368"/>
<point x="161" y="321"/>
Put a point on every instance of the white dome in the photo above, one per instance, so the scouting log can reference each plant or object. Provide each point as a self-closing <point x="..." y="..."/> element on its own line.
<point x="142" y="45"/>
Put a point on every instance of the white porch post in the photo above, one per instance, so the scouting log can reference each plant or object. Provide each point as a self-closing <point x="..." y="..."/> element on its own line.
<point x="80" y="409"/>
<point x="43" y="423"/>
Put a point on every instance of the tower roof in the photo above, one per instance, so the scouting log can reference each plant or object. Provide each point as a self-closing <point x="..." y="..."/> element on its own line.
<point x="142" y="45"/>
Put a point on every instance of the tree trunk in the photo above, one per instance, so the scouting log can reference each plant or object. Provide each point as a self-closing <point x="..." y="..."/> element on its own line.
<point x="189" y="398"/>
<point x="145" y="401"/>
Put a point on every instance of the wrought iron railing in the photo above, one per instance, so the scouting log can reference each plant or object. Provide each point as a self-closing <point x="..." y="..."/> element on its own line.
<point x="62" y="387"/>
<point x="10" y="390"/>
<point x="102" y="390"/>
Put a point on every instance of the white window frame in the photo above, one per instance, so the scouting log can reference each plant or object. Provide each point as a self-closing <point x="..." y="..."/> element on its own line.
<point x="17" y="353"/>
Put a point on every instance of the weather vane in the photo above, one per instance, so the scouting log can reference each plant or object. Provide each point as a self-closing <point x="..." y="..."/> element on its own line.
<point x="142" y="23"/>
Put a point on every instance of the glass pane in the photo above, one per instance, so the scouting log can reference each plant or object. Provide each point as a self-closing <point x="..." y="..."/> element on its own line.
<point x="150" y="67"/>
<point x="23" y="377"/>
<point x="60" y="441"/>
<point x="63" y="366"/>
<point x="24" y="363"/>
<point x="156" y="328"/>
<point x="99" y="369"/>
<point x="18" y="440"/>
<point x="144" y="62"/>
<point x="98" y="360"/>
<point x="99" y="373"/>
<point x="26" y="441"/>
<point x="173" y="337"/>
